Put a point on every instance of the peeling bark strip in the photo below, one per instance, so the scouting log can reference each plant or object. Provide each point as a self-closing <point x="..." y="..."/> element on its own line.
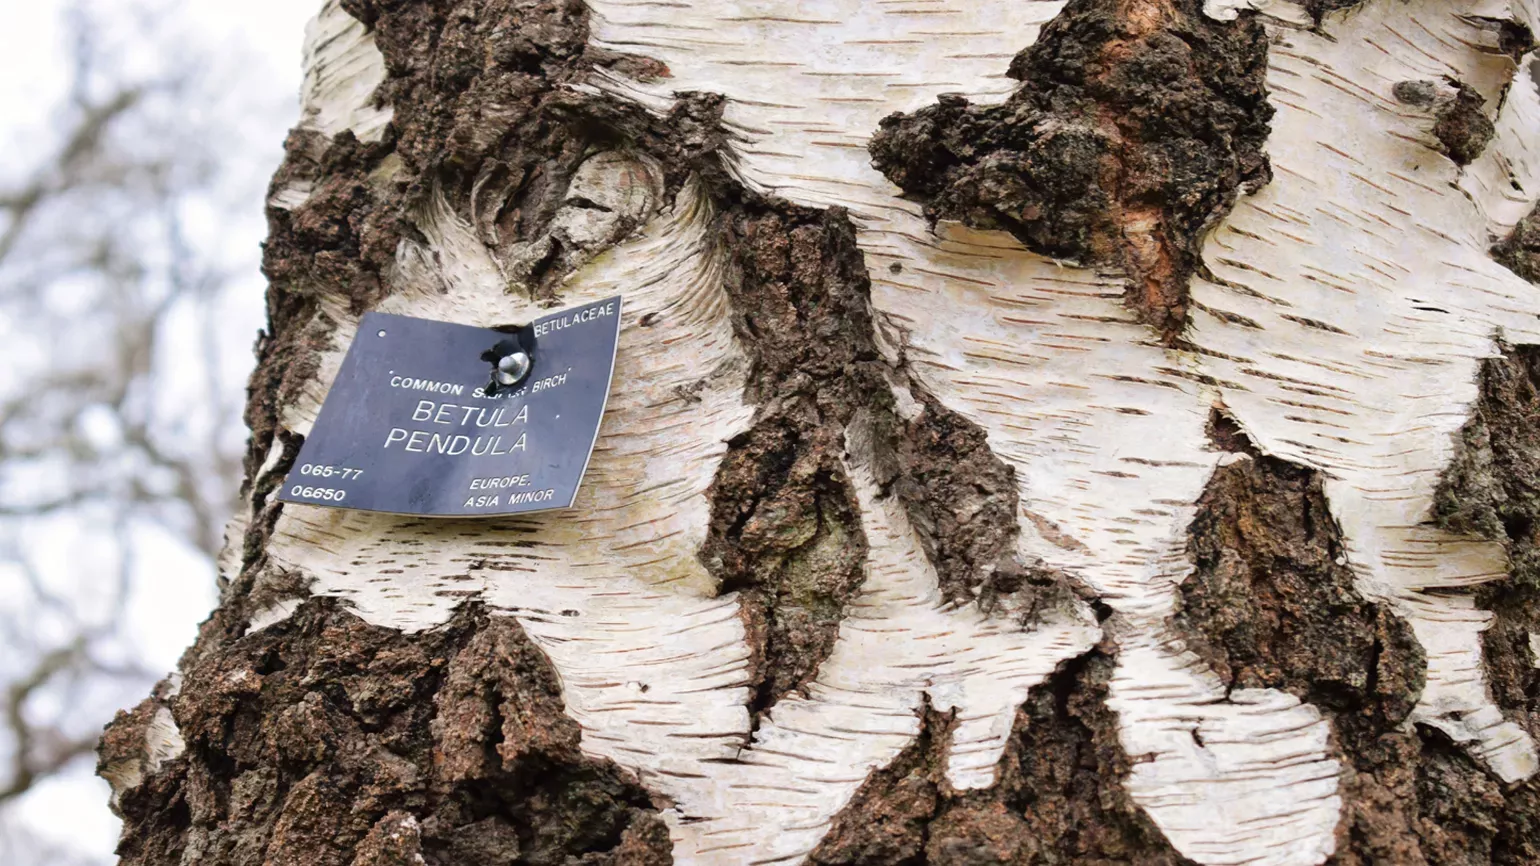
<point x="903" y="543"/>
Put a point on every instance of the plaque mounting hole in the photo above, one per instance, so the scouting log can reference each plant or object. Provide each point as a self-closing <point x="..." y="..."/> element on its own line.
<point x="512" y="368"/>
<point x="381" y="333"/>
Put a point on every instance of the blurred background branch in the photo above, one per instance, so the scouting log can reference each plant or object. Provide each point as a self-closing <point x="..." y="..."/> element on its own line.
<point x="130" y="216"/>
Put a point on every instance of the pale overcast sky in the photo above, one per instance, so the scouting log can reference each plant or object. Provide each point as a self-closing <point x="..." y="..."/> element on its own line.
<point x="260" y="43"/>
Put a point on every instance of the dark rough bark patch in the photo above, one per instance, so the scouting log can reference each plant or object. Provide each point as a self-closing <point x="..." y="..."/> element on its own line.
<point x="963" y="502"/>
<point x="1492" y="486"/>
<point x="1135" y="124"/>
<point x="1469" y="818"/>
<point x="962" y="494"/>
<point x="1492" y="489"/>
<point x="786" y="533"/>
<point x="394" y="840"/>
<point x="1272" y="604"/>
<point x="342" y="237"/>
<point x="1460" y="122"/>
<point x="485" y="112"/>
<point x="1514" y="38"/>
<point x="324" y="741"/>
<point x="1513" y="671"/>
<point x="1520" y="250"/>
<point x="1060" y="798"/>
<point x="785" y="527"/>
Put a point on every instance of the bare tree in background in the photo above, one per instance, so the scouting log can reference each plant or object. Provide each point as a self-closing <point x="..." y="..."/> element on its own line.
<point x="119" y="413"/>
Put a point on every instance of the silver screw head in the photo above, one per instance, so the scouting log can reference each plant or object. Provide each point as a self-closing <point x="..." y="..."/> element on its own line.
<point x="511" y="369"/>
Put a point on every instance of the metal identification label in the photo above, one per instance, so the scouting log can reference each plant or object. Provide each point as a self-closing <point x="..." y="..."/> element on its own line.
<point x="438" y="419"/>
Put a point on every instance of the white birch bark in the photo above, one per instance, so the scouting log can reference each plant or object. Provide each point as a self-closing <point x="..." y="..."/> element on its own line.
<point x="1363" y="264"/>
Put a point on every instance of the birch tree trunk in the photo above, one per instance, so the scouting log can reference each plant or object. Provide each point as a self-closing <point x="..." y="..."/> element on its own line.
<point x="1042" y="433"/>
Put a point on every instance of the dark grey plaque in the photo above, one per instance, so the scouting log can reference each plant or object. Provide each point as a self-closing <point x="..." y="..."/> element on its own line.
<point x="418" y="422"/>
